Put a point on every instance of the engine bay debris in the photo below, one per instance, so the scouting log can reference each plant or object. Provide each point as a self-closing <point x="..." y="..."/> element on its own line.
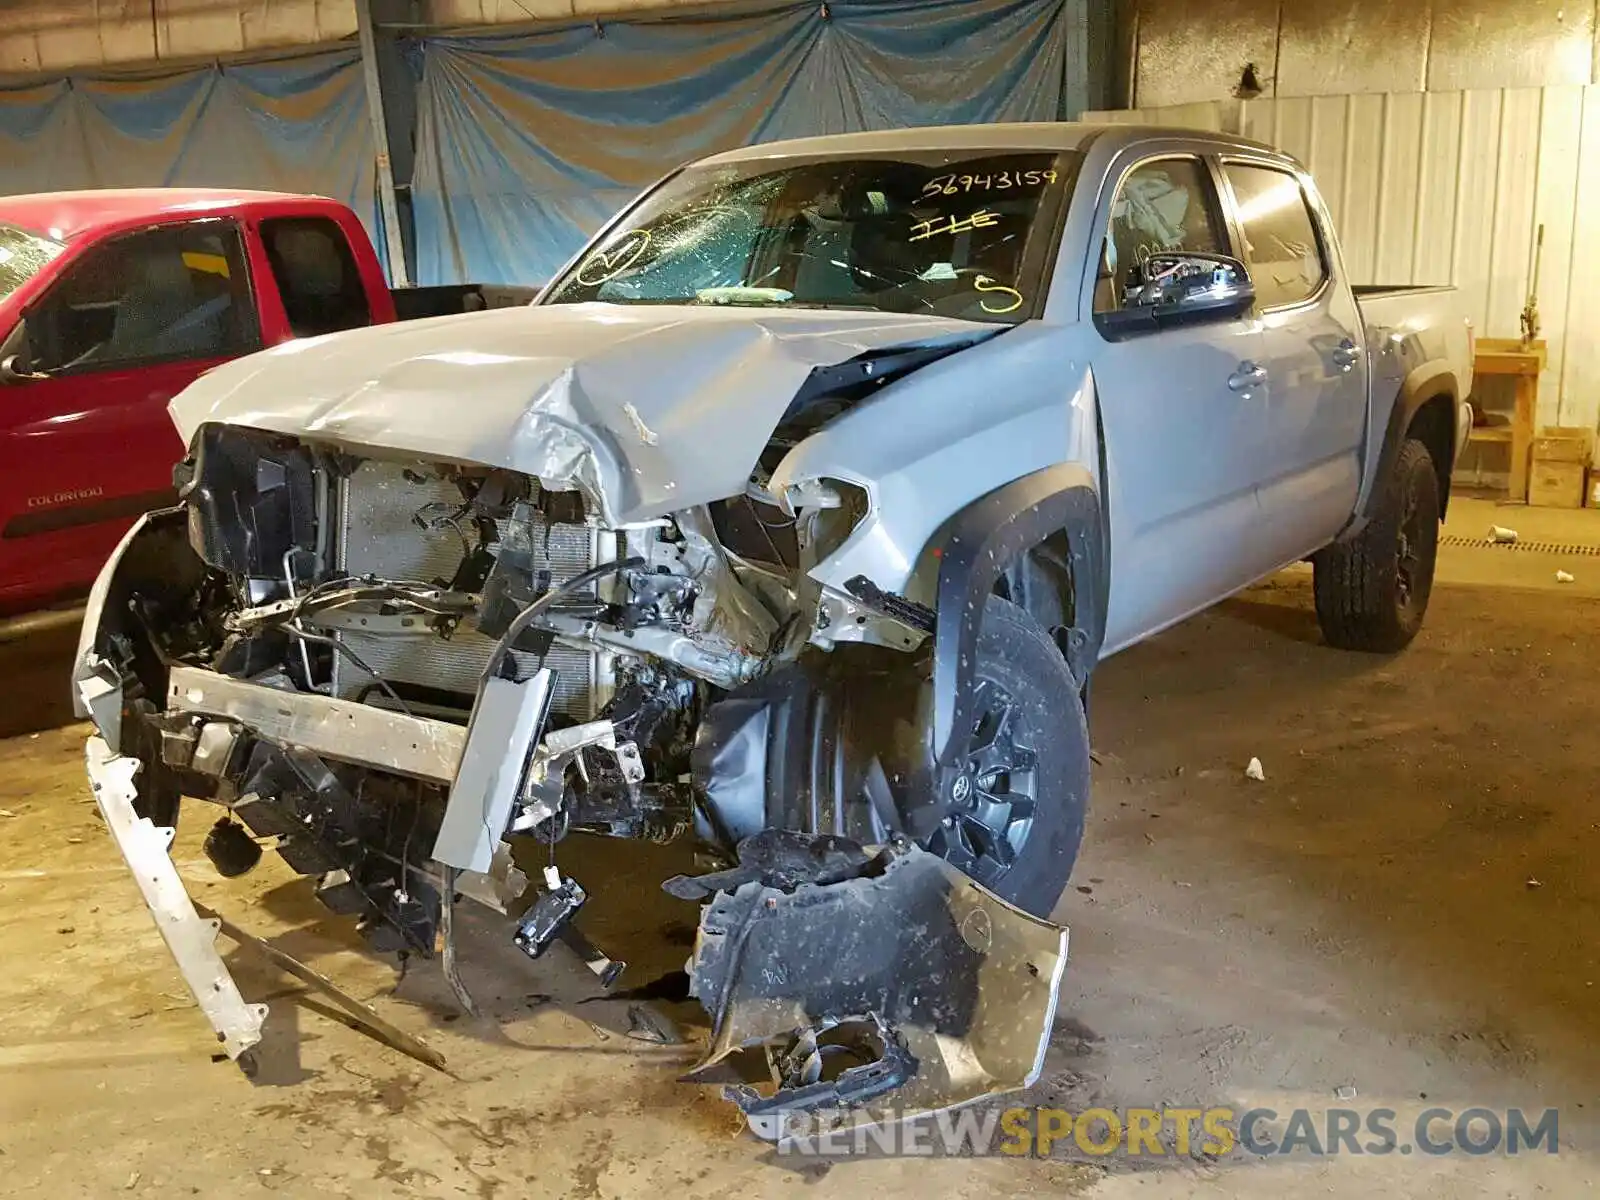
<point x="413" y="679"/>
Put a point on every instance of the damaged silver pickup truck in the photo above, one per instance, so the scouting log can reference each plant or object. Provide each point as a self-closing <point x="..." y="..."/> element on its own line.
<point x="792" y="518"/>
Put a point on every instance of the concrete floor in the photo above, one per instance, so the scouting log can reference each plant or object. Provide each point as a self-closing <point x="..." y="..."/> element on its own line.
<point x="1407" y="905"/>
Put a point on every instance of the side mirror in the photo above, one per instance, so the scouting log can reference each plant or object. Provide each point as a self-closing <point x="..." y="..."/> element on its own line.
<point x="14" y="364"/>
<point x="1180" y="289"/>
<point x="14" y="369"/>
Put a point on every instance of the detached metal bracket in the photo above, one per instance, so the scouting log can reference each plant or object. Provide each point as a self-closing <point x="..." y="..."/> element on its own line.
<point x="190" y="938"/>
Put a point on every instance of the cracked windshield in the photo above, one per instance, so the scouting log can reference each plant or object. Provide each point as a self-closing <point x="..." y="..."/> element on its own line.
<point x="931" y="233"/>
<point x="22" y="254"/>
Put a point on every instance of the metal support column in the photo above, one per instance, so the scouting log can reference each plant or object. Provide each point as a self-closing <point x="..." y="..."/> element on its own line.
<point x="380" y="138"/>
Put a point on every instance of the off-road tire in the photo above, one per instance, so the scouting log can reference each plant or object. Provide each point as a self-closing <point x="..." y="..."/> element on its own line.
<point x="1372" y="592"/>
<point x="1017" y="655"/>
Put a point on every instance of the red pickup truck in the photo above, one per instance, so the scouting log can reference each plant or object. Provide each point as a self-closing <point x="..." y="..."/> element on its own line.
<point x="111" y="302"/>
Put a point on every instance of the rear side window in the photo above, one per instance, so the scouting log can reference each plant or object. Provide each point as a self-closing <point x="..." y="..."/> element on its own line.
<point x="1164" y="205"/>
<point x="316" y="275"/>
<point x="1280" y="234"/>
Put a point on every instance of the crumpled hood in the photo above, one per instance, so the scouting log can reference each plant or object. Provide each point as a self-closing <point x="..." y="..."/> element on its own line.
<point x="646" y="410"/>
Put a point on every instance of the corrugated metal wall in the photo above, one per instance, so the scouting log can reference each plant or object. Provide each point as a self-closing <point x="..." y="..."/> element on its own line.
<point x="1450" y="187"/>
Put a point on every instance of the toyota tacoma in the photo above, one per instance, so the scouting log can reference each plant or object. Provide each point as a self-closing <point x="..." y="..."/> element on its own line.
<point x="793" y="517"/>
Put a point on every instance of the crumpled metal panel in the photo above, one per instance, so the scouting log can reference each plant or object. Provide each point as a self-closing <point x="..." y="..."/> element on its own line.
<point x="1352" y="46"/>
<point x="1190" y="52"/>
<point x="46" y="35"/>
<point x="644" y="410"/>
<point x="1492" y="44"/>
<point x="383" y="538"/>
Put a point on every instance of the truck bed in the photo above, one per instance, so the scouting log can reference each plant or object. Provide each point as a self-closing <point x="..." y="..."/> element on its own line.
<point x="1432" y="324"/>
<point x="1437" y="308"/>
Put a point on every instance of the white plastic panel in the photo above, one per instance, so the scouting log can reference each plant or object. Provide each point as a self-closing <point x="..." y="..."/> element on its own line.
<point x="1399" y="166"/>
<point x="1580" y="367"/>
<point x="1511" y="239"/>
<point x="1438" y="178"/>
<point x="1560" y="135"/>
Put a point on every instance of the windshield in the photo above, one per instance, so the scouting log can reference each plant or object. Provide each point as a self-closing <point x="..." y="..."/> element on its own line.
<point x="22" y="256"/>
<point x="936" y="232"/>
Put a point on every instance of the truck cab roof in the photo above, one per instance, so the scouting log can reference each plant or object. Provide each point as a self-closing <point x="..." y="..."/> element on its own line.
<point x="64" y="216"/>
<point x="1018" y="135"/>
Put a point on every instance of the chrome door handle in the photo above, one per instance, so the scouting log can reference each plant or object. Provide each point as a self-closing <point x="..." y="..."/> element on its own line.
<point x="1248" y="375"/>
<point x="1346" y="355"/>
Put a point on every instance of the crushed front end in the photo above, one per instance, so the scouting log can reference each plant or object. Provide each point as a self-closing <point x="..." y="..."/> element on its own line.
<point x="389" y="670"/>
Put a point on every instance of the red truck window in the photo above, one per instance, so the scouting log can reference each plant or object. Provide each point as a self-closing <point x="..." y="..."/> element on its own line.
<point x="170" y="294"/>
<point x="316" y="273"/>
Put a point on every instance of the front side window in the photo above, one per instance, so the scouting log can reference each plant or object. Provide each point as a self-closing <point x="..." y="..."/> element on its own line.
<point x="1280" y="234"/>
<point x="22" y="256"/>
<point x="1167" y="205"/>
<point x="939" y="232"/>
<point x="316" y="275"/>
<point x="170" y="294"/>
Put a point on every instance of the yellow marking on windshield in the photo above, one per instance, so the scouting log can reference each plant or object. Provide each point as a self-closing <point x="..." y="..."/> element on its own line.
<point x="984" y="283"/>
<point x="604" y="265"/>
<point x="981" y="219"/>
<point x="951" y="185"/>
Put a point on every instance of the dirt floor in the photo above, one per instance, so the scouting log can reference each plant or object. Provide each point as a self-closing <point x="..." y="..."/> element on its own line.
<point x="1406" y="906"/>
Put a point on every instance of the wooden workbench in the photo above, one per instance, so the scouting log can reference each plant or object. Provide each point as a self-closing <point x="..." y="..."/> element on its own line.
<point x="1509" y="357"/>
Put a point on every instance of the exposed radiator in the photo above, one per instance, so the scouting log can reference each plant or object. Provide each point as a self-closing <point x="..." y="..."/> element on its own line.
<point x="380" y="535"/>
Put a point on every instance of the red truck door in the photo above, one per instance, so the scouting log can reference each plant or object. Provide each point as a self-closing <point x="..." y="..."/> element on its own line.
<point x="84" y="435"/>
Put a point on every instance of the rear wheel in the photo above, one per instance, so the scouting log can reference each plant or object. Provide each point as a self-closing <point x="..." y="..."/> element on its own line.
<point x="1014" y="802"/>
<point x="1372" y="592"/>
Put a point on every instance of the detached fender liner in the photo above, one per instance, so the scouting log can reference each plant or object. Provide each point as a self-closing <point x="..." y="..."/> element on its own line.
<point x="941" y="992"/>
<point x="982" y="540"/>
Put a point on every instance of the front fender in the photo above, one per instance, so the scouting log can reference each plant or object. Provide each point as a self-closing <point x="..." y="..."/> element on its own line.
<point x="931" y="444"/>
<point x="983" y="540"/>
<point x="151" y="558"/>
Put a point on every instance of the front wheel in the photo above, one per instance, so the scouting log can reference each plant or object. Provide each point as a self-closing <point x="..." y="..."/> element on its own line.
<point x="1014" y="806"/>
<point x="1372" y="592"/>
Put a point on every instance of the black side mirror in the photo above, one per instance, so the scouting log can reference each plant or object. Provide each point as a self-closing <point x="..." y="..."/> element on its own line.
<point x="1180" y="289"/>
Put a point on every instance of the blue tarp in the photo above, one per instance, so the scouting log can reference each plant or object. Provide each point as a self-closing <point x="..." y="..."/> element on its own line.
<point x="526" y="142"/>
<point x="296" y="124"/>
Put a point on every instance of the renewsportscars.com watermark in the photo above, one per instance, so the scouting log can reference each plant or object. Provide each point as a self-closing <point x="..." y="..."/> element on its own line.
<point x="1214" y="1133"/>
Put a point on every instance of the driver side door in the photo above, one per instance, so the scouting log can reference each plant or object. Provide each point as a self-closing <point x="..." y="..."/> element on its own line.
<point x="85" y="442"/>
<point x="1183" y="408"/>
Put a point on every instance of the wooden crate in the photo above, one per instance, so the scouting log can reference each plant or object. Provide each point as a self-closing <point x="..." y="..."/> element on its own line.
<point x="1556" y="484"/>
<point x="1562" y="444"/>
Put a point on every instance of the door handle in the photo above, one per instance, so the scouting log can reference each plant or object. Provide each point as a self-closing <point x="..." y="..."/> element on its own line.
<point x="1248" y="375"/>
<point x="1346" y="355"/>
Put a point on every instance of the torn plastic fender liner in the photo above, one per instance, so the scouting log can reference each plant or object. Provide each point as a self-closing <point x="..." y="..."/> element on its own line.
<point x="190" y="938"/>
<point x="960" y="986"/>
